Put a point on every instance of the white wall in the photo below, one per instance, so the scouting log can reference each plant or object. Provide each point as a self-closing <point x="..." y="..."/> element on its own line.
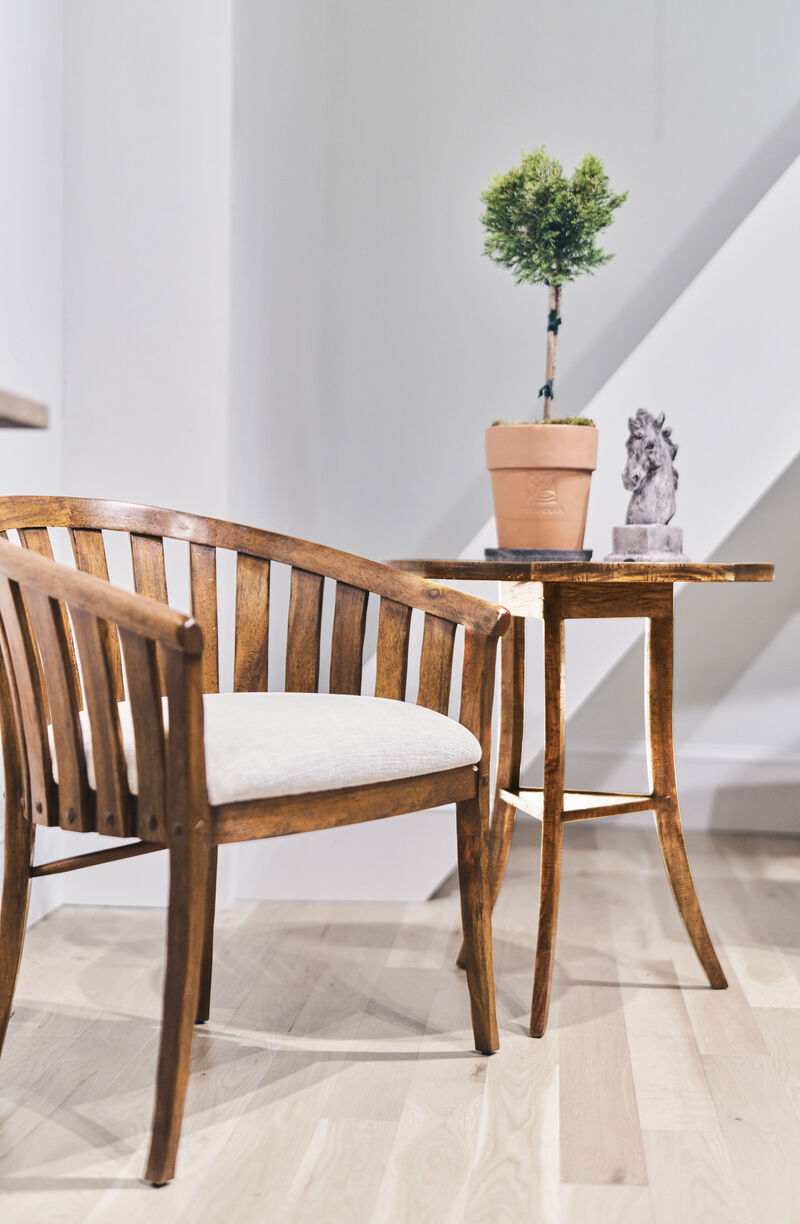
<point x="147" y="133"/>
<point x="275" y="304"/>
<point x="31" y="240"/>
<point x="31" y="264"/>
<point x="388" y="341"/>
<point x="694" y="108"/>
<point x="147" y="183"/>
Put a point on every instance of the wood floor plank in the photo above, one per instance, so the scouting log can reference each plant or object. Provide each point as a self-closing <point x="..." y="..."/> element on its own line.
<point x="766" y="977"/>
<point x="781" y="1033"/>
<point x="759" y="1126"/>
<point x="427" y="1178"/>
<point x="516" y="1169"/>
<point x="336" y="1080"/>
<point x="605" y="1205"/>
<point x="601" y="1141"/>
<point x="691" y="1178"/>
<point x="722" y="1020"/>
<point x="340" y="1174"/>
<point x="668" y="1074"/>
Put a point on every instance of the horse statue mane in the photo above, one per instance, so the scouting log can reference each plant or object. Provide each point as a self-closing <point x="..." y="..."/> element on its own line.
<point x="649" y="473"/>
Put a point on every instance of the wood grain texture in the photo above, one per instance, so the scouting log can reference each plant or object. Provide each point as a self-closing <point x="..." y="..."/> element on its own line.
<point x="436" y="664"/>
<point x="90" y="558"/>
<point x="337" y="1080"/>
<point x="190" y="848"/>
<point x="149" y="568"/>
<point x="75" y="811"/>
<point x="661" y="763"/>
<point x="347" y="639"/>
<point x="303" y="634"/>
<point x="584" y="571"/>
<point x="37" y="539"/>
<point x="144" y="694"/>
<point x="251" y="652"/>
<point x="150" y="579"/>
<point x="93" y="859"/>
<point x="27" y="684"/>
<point x="155" y="521"/>
<point x="613" y="599"/>
<point x="162" y="650"/>
<point x="394" y="625"/>
<point x="476" y="914"/>
<point x="552" y="827"/>
<point x="109" y="602"/>
<point x="17" y="850"/>
<point x="203" y="582"/>
<point x="349" y="805"/>
<point x="113" y="799"/>
<point x="509" y="755"/>
<point x="203" y="1011"/>
<point x="555" y="592"/>
<point x="509" y="747"/>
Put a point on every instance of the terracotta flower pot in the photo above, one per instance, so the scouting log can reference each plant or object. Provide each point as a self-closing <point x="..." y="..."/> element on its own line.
<point x="540" y="481"/>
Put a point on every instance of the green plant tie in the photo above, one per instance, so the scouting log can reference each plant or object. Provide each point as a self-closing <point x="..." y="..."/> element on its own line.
<point x="553" y="322"/>
<point x="546" y="390"/>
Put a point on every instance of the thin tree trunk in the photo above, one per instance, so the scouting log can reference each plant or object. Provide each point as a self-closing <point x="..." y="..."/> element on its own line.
<point x="553" y="312"/>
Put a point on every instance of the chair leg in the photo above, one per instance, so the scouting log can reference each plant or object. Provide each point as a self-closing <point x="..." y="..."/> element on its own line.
<point x="661" y="752"/>
<point x="204" y="1000"/>
<point x="19" y="841"/>
<point x="500" y="833"/>
<point x="549" y="886"/>
<point x="476" y="915"/>
<point x="189" y="868"/>
<point x="509" y="754"/>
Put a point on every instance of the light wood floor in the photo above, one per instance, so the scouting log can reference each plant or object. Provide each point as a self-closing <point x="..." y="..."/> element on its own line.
<point x="336" y="1080"/>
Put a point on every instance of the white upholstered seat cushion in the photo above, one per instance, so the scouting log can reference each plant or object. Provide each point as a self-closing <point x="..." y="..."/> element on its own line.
<point x="261" y="745"/>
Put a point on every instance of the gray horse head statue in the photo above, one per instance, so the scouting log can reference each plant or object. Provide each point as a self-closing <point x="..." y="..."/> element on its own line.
<point x="649" y="473"/>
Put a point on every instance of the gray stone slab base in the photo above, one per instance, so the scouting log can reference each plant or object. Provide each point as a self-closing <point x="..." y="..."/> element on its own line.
<point x="538" y="554"/>
<point x="647" y="542"/>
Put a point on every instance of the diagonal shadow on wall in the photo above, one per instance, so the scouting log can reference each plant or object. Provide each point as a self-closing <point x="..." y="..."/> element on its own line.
<point x="720" y="630"/>
<point x="621" y="334"/>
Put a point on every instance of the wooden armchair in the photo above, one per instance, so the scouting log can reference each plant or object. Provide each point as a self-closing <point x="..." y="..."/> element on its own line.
<point x="112" y="722"/>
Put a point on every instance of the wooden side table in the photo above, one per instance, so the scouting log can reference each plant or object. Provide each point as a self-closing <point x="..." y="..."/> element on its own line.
<point x="554" y="592"/>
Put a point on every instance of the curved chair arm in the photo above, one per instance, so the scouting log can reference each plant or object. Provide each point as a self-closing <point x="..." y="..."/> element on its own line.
<point x="26" y="512"/>
<point x="163" y="652"/>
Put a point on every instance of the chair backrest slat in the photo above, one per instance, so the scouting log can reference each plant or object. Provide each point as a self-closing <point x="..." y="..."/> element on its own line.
<point x="150" y="578"/>
<point x="47" y="619"/>
<point x="144" y="693"/>
<point x="347" y="640"/>
<point x="37" y="539"/>
<point x="111" y="775"/>
<point x="302" y="641"/>
<point x="28" y="684"/>
<point x="90" y="557"/>
<point x="149" y="570"/>
<point x="251" y="652"/>
<point x="203" y="579"/>
<point x="394" y="624"/>
<point x="436" y="663"/>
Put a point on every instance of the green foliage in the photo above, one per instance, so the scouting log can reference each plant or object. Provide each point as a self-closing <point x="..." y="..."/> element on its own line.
<point x="542" y="224"/>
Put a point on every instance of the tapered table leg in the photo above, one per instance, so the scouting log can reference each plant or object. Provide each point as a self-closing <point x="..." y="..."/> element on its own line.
<point x="509" y="754"/>
<point x="553" y="803"/>
<point x="661" y="755"/>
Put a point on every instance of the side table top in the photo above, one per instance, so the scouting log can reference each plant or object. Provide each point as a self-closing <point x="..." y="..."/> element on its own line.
<point x="584" y="571"/>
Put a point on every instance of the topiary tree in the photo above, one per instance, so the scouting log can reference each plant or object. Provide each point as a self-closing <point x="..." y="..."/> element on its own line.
<point x="543" y="226"/>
